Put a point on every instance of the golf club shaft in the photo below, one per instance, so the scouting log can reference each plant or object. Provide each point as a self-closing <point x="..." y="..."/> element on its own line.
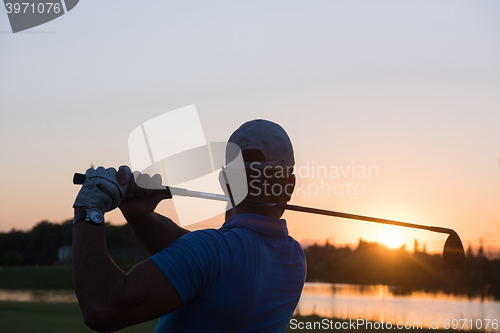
<point x="362" y="218"/>
<point x="80" y="178"/>
<point x="194" y="194"/>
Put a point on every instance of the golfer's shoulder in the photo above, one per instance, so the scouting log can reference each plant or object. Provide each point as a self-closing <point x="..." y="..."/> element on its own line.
<point x="203" y="235"/>
<point x="296" y="248"/>
<point x="223" y="242"/>
<point x="205" y="238"/>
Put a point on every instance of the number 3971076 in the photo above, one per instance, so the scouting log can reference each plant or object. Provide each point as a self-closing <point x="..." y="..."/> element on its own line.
<point x="27" y="7"/>
<point x="470" y="324"/>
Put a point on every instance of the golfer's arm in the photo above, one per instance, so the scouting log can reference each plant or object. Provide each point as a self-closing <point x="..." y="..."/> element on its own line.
<point x="109" y="298"/>
<point x="154" y="231"/>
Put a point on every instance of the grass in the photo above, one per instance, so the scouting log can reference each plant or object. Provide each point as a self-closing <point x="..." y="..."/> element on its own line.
<point x="21" y="317"/>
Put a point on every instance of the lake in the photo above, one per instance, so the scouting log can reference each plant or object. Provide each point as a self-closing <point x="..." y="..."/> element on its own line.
<point x="345" y="301"/>
<point x="381" y="302"/>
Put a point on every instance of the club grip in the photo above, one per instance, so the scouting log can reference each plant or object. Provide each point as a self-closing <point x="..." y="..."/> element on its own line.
<point x="78" y="178"/>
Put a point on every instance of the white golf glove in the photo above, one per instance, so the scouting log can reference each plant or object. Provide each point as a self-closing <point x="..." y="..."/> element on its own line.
<point x="101" y="189"/>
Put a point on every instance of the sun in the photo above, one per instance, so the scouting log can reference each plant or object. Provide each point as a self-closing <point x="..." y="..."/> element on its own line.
<point x="392" y="239"/>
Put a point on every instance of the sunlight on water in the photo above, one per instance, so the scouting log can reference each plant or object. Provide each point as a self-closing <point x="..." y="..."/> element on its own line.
<point x="50" y="296"/>
<point x="381" y="302"/>
<point x="346" y="301"/>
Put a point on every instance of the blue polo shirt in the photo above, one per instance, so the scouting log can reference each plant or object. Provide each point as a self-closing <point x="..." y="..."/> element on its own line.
<point x="246" y="276"/>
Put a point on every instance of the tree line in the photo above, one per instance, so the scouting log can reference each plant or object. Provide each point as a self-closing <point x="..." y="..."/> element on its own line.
<point x="368" y="263"/>
<point x="40" y="245"/>
<point x="373" y="263"/>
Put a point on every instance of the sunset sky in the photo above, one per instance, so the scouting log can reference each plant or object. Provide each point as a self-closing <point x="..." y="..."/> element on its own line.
<point x="411" y="89"/>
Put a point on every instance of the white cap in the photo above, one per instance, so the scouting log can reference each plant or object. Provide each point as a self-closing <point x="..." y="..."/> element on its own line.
<point x="267" y="137"/>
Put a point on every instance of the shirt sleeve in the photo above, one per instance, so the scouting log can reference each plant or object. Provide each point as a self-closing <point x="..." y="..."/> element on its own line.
<point x="192" y="261"/>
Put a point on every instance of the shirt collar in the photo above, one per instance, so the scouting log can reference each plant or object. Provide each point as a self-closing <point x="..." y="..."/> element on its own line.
<point x="258" y="223"/>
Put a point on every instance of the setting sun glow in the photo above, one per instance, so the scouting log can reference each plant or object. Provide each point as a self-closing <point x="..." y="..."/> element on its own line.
<point x="392" y="239"/>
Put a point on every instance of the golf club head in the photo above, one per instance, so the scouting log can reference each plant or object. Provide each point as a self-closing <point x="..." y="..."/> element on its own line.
<point x="453" y="251"/>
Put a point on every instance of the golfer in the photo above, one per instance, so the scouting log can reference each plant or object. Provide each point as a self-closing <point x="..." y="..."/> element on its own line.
<point x="246" y="276"/>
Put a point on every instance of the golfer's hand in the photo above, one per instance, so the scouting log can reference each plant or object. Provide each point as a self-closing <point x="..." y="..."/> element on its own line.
<point x="140" y="199"/>
<point x="102" y="189"/>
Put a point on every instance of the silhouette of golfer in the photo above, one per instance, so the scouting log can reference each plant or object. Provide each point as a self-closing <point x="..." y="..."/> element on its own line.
<point x="246" y="276"/>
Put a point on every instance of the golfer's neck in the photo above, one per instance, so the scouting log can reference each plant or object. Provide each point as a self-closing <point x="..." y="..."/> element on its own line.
<point x="264" y="211"/>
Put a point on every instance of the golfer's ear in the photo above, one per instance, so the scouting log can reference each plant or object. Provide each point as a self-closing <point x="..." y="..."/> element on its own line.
<point x="222" y="183"/>
<point x="290" y="187"/>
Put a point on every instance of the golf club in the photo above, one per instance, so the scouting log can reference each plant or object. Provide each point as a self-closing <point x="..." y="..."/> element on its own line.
<point x="453" y="251"/>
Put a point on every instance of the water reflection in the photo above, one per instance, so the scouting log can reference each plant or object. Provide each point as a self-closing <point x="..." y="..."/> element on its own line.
<point x="50" y="296"/>
<point x="381" y="302"/>
<point x="346" y="301"/>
